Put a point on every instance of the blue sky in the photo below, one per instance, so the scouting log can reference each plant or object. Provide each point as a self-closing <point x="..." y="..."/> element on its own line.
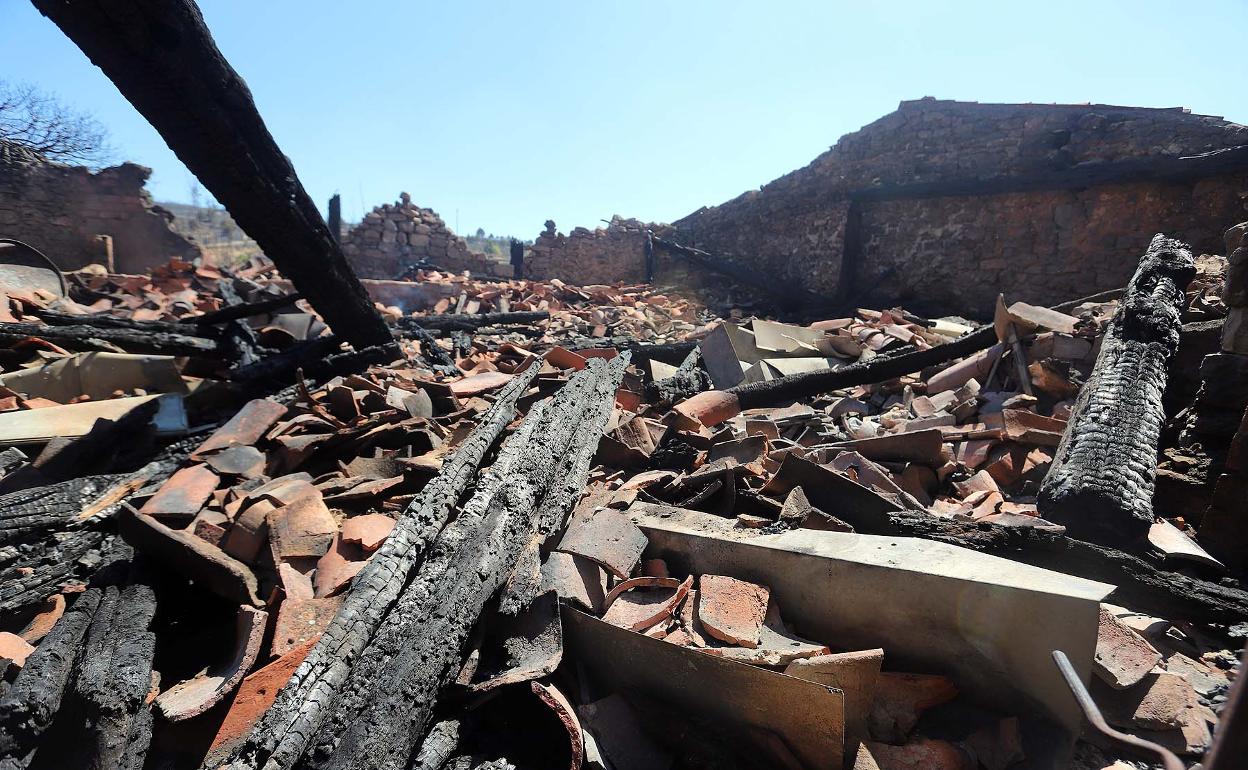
<point x="503" y="114"/>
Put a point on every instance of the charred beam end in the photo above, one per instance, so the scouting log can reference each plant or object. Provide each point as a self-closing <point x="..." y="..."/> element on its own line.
<point x="1100" y="486"/>
<point x="163" y="59"/>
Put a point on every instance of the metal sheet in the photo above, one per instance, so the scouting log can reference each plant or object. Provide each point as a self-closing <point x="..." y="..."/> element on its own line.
<point x="73" y="420"/>
<point x="989" y="623"/>
<point x="808" y="717"/>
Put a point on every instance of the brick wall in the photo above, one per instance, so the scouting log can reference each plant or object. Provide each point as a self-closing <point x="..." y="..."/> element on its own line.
<point x="396" y="236"/>
<point x="941" y="204"/>
<point x="60" y="210"/>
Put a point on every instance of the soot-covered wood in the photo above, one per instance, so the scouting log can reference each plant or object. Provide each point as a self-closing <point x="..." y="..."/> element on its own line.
<point x="1100" y="485"/>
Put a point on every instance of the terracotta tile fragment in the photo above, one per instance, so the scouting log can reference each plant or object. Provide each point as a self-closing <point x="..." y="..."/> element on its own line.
<point x="184" y="493"/>
<point x="14" y="649"/>
<point x="50" y="611"/>
<point x="607" y="537"/>
<point x="368" y="531"/>
<point x="1123" y="657"/>
<point x="256" y="693"/>
<point x="732" y="610"/>
<point x="301" y="620"/>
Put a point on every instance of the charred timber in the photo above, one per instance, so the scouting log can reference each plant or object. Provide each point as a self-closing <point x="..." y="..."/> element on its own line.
<point x="387" y="703"/>
<point x="30" y="705"/>
<point x="242" y="310"/>
<point x="281" y="735"/>
<point x="78" y="335"/>
<point x="668" y="352"/>
<point x="162" y="58"/>
<point x="795" y="387"/>
<point x="689" y="380"/>
<point x="107" y="321"/>
<point x="1100" y="486"/>
<point x="449" y="322"/>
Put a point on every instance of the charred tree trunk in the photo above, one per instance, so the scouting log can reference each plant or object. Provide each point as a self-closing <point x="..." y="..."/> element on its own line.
<point x="162" y="58"/>
<point x="241" y="310"/>
<point x="1100" y="486"/>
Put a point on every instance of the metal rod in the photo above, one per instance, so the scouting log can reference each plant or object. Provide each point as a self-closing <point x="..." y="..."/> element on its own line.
<point x="1090" y="710"/>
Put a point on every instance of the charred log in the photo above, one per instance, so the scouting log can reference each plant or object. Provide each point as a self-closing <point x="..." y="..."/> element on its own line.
<point x="689" y="380"/>
<point x="82" y="336"/>
<point x="281" y="735"/>
<point x="108" y="321"/>
<point x="386" y="706"/>
<point x="1100" y="486"/>
<point x="795" y="387"/>
<point x="241" y="310"/>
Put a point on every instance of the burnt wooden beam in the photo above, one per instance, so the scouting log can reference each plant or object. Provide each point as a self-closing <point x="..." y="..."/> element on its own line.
<point x="109" y="321"/>
<point x="668" y="352"/>
<point x="281" y="735"/>
<point x="1100" y="485"/>
<point x="386" y="706"/>
<point x="241" y="310"/>
<point x="449" y="322"/>
<point x="79" y="335"/>
<point x="29" y="706"/>
<point x="795" y="387"/>
<point x="162" y="58"/>
<point x="689" y="380"/>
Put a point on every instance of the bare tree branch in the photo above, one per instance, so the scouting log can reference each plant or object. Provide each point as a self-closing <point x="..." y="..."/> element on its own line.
<point x="42" y="123"/>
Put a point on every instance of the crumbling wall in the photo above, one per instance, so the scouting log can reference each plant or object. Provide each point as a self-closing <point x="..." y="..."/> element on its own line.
<point x="396" y="236"/>
<point x="603" y="255"/>
<point x="62" y="211"/>
<point x="1042" y="247"/>
<point x="941" y="203"/>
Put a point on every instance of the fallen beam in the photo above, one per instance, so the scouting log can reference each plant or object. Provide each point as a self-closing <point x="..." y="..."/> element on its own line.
<point x="163" y="59"/>
<point x="387" y="703"/>
<point x="133" y="340"/>
<point x="242" y="310"/>
<point x="720" y="405"/>
<point x="449" y="322"/>
<point x="1100" y="486"/>
<point x="281" y="735"/>
<point x="107" y="321"/>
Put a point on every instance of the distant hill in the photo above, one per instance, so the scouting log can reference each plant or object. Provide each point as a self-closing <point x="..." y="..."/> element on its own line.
<point x="213" y="228"/>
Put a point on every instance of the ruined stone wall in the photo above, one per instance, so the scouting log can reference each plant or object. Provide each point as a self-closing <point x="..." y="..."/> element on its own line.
<point x="397" y="236"/>
<point x="583" y="256"/>
<point x="60" y="210"/>
<point x="1044" y="247"/>
<point x="940" y="202"/>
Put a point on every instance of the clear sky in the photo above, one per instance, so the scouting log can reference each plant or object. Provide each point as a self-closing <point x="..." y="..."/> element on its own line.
<point x="503" y="114"/>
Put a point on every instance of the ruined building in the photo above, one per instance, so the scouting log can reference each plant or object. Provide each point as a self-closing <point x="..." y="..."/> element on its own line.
<point x="64" y="211"/>
<point x="942" y="204"/>
<point x="396" y="237"/>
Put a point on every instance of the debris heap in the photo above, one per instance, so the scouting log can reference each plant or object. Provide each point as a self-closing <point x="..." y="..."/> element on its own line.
<point x="561" y="526"/>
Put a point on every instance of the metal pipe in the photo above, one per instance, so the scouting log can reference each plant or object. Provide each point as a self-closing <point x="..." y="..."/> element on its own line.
<point x="1090" y="710"/>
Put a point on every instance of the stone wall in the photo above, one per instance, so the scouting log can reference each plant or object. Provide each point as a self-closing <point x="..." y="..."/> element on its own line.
<point x="941" y="204"/>
<point x="583" y="256"/>
<point x="395" y="237"/>
<point x="61" y="211"/>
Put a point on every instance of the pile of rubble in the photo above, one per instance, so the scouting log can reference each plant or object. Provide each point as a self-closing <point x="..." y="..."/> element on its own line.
<point x="561" y="526"/>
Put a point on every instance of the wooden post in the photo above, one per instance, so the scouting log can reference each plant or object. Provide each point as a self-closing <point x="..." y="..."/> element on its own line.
<point x="335" y="218"/>
<point x="162" y="58"/>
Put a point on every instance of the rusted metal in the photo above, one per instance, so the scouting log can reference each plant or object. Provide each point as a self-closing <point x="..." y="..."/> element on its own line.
<point x="1090" y="710"/>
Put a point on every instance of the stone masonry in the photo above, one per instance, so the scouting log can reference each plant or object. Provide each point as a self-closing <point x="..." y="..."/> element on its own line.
<point x="395" y="237"/>
<point x="942" y="204"/>
<point x="584" y="256"/>
<point x="63" y="210"/>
